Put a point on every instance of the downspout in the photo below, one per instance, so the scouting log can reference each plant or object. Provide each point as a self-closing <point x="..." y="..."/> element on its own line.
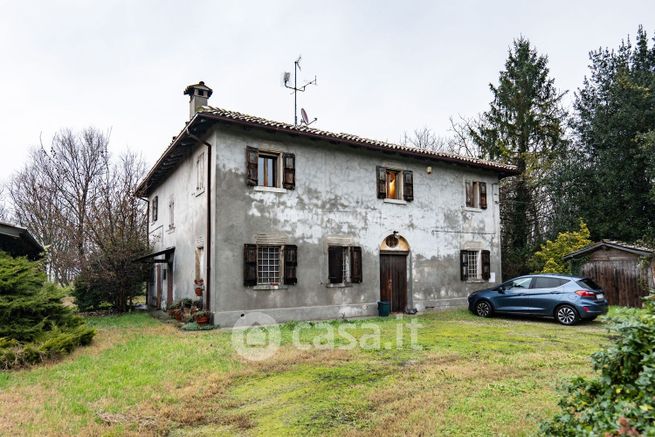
<point x="209" y="222"/>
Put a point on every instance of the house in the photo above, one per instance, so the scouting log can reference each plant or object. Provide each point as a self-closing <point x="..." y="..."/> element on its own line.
<point x="18" y="241"/>
<point x="303" y="224"/>
<point x="624" y="271"/>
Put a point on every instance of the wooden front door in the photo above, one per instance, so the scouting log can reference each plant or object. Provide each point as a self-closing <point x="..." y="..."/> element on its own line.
<point x="158" y="285"/>
<point x="393" y="280"/>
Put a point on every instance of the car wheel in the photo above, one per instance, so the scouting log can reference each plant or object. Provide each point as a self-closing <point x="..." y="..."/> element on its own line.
<point x="483" y="309"/>
<point x="566" y="315"/>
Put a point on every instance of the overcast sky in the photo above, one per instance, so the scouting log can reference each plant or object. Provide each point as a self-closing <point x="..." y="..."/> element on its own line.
<point x="383" y="67"/>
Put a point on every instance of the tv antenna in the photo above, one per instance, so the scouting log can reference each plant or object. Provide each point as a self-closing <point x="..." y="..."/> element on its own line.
<point x="286" y="77"/>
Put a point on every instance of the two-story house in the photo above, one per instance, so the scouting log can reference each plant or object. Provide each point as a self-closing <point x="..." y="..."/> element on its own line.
<point x="303" y="224"/>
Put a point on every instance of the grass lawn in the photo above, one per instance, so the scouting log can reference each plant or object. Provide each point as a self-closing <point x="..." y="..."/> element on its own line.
<point x="142" y="377"/>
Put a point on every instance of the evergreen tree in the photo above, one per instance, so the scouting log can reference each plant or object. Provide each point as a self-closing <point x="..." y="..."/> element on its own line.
<point x="608" y="176"/>
<point x="523" y="127"/>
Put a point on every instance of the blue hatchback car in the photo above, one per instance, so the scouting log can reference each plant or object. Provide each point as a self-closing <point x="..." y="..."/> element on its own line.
<point x="568" y="299"/>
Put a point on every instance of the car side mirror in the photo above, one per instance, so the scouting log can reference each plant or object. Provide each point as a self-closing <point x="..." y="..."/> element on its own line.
<point x="501" y="289"/>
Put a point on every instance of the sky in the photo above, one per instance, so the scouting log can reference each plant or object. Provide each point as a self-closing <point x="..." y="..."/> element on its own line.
<point x="383" y="68"/>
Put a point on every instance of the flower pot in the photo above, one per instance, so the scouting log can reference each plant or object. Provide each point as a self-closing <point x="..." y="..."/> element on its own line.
<point x="178" y="315"/>
<point x="202" y="320"/>
<point x="198" y="291"/>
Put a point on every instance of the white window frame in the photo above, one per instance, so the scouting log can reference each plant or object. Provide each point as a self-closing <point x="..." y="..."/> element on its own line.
<point x="473" y="273"/>
<point x="475" y="195"/>
<point x="264" y="253"/>
<point x="399" y="181"/>
<point x="278" y="168"/>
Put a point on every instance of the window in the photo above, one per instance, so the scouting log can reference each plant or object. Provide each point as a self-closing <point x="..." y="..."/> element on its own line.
<point x="269" y="265"/>
<point x="200" y="172"/>
<point x="395" y="184"/>
<point x="344" y="264"/>
<point x="475" y="265"/>
<point x="589" y="284"/>
<point x="545" y="282"/>
<point x="171" y="213"/>
<point x="154" y="207"/>
<point x="476" y="194"/>
<point x="263" y="169"/>
<point x="267" y="171"/>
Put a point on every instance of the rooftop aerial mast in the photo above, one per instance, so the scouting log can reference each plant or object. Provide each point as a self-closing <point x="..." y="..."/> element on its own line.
<point x="286" y="78"/>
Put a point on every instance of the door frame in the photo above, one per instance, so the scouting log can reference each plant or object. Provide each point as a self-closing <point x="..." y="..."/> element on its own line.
<point x="384" y="284"/>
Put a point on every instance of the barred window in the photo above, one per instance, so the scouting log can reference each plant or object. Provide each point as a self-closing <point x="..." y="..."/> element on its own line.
<point x="472" y="270"/>
<point x="268" y="265"/>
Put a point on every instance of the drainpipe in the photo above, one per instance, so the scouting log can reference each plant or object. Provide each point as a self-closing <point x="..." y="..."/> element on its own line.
<point x="209" y="222"/>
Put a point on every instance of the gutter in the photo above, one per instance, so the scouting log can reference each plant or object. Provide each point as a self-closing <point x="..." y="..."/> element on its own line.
<point x="207" y="305"/>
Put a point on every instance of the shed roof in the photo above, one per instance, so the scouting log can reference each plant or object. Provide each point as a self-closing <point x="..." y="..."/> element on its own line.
<point x="18" y="241"/>
<point x="208" y="116"/>
<point x="611" y="244"/>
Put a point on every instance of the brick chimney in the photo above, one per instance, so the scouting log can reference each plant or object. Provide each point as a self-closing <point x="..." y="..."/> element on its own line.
<point x="198" y="94"/>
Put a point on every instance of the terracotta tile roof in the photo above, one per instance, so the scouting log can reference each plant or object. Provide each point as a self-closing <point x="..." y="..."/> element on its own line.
<point x="182" y="142"/>
<point x="354" y="139"/>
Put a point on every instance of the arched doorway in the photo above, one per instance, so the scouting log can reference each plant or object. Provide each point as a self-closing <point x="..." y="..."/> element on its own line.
<point x="394" y="250"/>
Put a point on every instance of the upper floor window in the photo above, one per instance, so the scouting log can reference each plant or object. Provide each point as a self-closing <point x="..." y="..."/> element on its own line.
<point x="395" y="184"/>
<point x="270" y="169"/>
<point x="476" y="194"/>
<point x="200" y="172"/>
<point x="154" y="207"/>
<point x="171" y="213"/>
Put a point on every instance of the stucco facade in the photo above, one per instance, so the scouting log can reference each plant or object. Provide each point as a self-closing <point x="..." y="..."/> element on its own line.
<point x="333" y="202"/>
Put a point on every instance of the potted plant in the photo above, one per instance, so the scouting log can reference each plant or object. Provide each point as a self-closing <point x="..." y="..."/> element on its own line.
<point x="202" y="317"/>
<point x="173" y="309"/>
<point x="199" y="286"/>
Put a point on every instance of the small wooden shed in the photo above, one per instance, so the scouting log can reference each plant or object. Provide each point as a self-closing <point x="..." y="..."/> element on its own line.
<point x="624" y="271"/>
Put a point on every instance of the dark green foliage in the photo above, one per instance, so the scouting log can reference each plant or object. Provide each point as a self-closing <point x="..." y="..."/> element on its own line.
<point x="607" y="178"/>
<point x="34" y="324"/>
<point x="621" y="399"/>
<point x="525" y="127"/>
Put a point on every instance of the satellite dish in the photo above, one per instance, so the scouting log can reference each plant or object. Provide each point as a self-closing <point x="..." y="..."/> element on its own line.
<point x="303" y="115"/>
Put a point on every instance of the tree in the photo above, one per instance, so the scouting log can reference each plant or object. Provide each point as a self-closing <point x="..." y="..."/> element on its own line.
<point x="34" y="323"/>
<point x="116" y="224"/>
<point x="424" y="139"/>
<point x="549" y="258"/>
<point x="610" y="178"/>
<point x="524" y="127"/>
<point x="52" y="195"/>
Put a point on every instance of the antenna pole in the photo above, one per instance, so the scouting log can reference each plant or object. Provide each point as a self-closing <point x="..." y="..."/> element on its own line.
<point x="296" y="88"/>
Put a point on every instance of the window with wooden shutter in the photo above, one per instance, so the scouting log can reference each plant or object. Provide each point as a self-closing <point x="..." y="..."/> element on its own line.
<point x="381" y="178"/>
<point x="249" y="264"/>
<point x="252" y="156"/>
<point x="408" y="185"/>
<point x="486" y="264"/>
<point x="356" y="265"/>
<point x="463" y="264"/>
<point x="290" y="264"/>
<point x="289" y="177"/>
<point x="335" y="264"/>
<point x="483" y="195"/>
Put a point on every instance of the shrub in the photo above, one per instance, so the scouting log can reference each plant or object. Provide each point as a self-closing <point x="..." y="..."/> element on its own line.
<point x="620" y="400"/>
<point x="34" y="323"/>
<point x="549" y="258"/>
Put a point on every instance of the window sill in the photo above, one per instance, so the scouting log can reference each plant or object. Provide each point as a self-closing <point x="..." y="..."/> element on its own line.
<point x="475" y="281"/>
<point x="471" y="209"/>
<point x="270" y="189"/>
<point x="341" y="285"/>
<point x="396" y="201"/>
<point x="269" y="287"/>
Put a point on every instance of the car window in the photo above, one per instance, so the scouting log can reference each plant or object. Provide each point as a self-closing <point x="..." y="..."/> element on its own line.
<point x="546" y="282"/>
<point x="588" y="283"/>
<point x="521" y="283"/>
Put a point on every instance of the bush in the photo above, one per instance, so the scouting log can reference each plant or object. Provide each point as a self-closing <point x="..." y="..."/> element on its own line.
<point x="549" y="258"/>
<point x="621" y="399"/>
<point x="34" y="323"/>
